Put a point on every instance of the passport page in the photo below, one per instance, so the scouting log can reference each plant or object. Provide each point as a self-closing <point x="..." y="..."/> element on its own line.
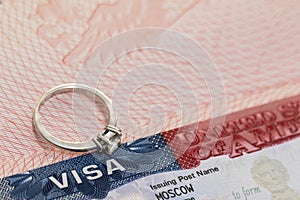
<point x="169" y="67"/>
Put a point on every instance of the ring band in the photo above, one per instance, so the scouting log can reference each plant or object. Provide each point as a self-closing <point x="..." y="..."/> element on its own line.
<point x="107" y="141"/>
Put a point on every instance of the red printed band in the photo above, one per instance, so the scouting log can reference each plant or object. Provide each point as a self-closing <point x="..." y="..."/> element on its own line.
<point x="242" y="132"/>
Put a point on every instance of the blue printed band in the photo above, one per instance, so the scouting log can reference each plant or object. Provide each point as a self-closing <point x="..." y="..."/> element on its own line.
<point x="92" y="175"/>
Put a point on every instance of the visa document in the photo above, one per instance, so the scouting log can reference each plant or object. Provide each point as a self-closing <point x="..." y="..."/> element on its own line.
<point x="171" y="68"/>
<point x="255" y="157"/>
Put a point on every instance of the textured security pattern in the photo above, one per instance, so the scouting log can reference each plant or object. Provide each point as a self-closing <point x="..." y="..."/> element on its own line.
<point x="140" y="158"/>
<point x="254" y="44"/>
<point x="5" y="189"/>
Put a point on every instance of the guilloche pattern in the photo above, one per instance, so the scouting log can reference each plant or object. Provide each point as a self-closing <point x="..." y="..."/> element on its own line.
<point x="255" y="46"/>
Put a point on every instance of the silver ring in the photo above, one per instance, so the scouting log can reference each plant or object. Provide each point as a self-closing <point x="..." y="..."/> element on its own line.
<point x="108" y="140"/>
